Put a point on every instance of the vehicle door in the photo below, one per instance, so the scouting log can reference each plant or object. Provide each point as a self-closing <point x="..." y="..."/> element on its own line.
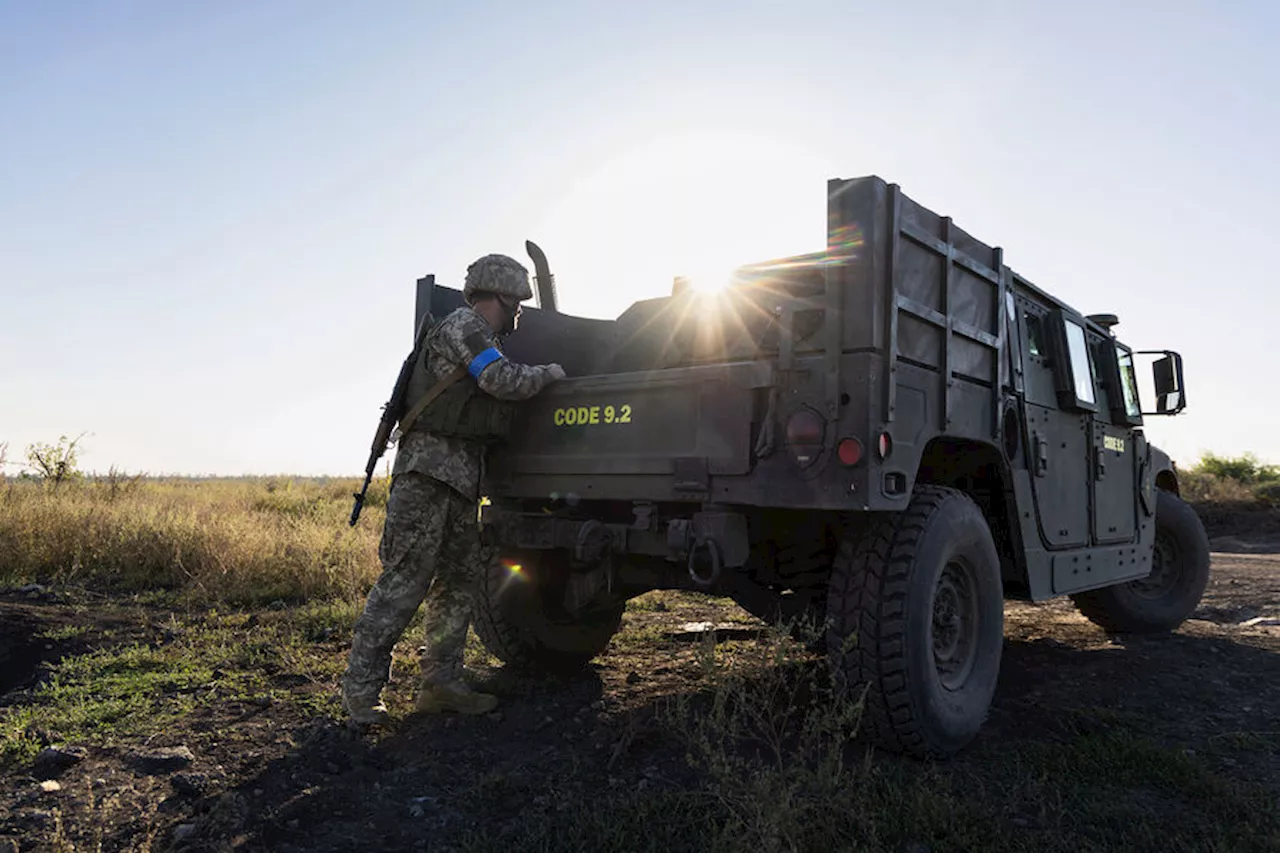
<point x="1117" y="443"/>
<point x="1058" y="437"/>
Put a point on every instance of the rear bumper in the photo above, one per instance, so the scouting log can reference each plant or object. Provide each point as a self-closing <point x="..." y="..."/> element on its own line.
<point x="716" y="537"/>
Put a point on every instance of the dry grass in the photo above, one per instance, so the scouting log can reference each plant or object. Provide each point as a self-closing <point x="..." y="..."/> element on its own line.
<point x="1201" y="487"/>
<point x="1231" y="480"/>
<point x="245" y="540"/>
<point x="254" y="540"/>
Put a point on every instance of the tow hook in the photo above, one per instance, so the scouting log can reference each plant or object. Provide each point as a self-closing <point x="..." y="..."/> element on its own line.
<point x="713" y="557"/>
<point x="710" y="542"/>
<point x="593" y="544"/>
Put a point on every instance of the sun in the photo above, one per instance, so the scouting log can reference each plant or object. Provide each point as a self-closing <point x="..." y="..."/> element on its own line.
<point x="707" y="286"/>
<point x="710" y="278"/>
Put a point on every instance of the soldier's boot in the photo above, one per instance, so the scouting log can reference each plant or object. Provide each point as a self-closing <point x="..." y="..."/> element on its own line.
<point x="367" y="710"/>
<point x="459" y="697"/>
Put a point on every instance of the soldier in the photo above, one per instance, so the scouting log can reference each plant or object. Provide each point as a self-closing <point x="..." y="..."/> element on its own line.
<point x="430" y="544"/>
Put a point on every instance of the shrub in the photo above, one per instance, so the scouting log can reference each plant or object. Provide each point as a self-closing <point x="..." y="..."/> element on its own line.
<point x="1268" y="493"/>
<point x="55" y="463"/>
<point x="1231" y="480"/>
<point x="1243" y="469"/>
<point x="1199" y="487"/>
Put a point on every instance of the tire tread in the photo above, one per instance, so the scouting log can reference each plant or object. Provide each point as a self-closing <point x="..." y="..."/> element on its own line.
<point x="868" y="596"/>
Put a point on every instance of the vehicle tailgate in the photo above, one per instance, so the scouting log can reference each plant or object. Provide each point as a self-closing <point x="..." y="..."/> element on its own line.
<point x="640" y="423"/>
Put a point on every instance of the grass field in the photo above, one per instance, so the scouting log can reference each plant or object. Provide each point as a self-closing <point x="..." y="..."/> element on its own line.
<point x="263" y="539"/>
<point x="216" y="616"/>
<point x="238" y="541"/>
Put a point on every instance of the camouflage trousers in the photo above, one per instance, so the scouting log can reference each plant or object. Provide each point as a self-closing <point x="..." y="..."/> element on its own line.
<point x="430" y="550"/>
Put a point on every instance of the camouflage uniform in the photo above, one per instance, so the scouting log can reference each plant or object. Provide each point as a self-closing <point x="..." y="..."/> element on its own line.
<point x="430" y="544"/>
<point x="429" y="549"/>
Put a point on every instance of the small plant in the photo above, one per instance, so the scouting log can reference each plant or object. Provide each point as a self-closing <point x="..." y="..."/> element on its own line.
<point x="771" y="730"/>
<point x="117" y="483"/>
<point x="55" y="463"/>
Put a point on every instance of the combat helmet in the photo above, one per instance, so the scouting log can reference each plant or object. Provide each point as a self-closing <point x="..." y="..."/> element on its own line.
<point x="497" y="274"/>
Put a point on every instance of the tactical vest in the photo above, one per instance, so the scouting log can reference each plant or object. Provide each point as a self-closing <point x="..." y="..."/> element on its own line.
<point x="462" y="410"/>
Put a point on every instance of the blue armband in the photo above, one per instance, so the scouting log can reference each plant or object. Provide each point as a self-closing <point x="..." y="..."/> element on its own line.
<point x="483" y="360"/>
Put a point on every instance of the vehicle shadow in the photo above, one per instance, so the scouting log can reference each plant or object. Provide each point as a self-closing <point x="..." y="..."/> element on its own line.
<point x="1182" y="686"/>
<point x="426" y="783"/>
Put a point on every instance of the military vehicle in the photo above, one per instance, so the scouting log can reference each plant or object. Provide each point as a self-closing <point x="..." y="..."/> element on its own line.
<point x="892" y="436"/>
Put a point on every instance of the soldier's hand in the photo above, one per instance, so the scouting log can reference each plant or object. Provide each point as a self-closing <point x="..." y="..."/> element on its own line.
<point x="556" y="372"/>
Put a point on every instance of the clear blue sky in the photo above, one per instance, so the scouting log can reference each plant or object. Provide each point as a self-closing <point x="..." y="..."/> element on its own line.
<point x="212" y="214"/>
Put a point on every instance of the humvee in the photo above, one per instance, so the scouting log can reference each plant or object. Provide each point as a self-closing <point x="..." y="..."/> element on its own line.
<point x="889" y="437"/>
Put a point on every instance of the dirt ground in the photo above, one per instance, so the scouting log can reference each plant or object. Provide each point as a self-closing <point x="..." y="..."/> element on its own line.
<point x="275" y="768"/>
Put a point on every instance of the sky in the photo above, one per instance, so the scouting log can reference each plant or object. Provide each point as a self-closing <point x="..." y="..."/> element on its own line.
<point x="212" y="215"/>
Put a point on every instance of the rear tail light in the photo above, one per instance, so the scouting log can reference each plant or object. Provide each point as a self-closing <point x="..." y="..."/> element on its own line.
<point x="806" y="430"/>
<point x="884" y="445"/>
<point x="850" y="452"/>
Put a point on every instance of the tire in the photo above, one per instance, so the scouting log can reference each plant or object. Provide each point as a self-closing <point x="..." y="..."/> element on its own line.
<point x="933" y="566"/>
<point x="516" y="624"/>
<point x="1163" y="600"/>
<point x="804" y="564"/>
<point x="807" y="563"/>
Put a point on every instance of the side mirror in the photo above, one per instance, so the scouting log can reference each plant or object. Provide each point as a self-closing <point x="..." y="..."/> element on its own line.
<point x="1170" y="388"/>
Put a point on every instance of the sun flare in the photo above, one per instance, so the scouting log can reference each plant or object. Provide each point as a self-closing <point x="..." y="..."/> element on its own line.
<point x="710" y="279"/>
<point x="686" y="207"/>
<point x="708" y="285"/>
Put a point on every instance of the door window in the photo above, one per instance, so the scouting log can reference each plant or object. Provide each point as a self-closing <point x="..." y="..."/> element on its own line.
<point x="1081" y="364"/>
<point x="1129" y="383"/>
<point x="1035" y="335"/>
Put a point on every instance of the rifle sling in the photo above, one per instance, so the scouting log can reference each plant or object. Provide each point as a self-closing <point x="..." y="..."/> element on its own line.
<point x="436" y="390"/>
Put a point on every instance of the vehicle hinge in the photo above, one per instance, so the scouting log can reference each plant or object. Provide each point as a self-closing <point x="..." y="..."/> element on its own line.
<point x="1042" y="454"/>
<point x="691" y="474"/>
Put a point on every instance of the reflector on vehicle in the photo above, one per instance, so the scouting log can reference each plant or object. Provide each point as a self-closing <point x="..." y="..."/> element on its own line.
<point x="849" y="451"/>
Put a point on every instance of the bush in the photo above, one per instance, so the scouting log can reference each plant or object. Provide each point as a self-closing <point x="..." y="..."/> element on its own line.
<point x="1268" y="493"/>
<point x="1242" y="469"/>
<point x="55" y="463"/>
<point x="1231" y="479"/>
<point x="1198" y="487"/>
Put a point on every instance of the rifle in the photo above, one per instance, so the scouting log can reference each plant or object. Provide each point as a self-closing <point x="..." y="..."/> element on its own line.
<point x="392" y="411"/>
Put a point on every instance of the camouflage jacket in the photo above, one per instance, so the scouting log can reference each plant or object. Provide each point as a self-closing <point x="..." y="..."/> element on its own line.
<point x="464" y="339"/>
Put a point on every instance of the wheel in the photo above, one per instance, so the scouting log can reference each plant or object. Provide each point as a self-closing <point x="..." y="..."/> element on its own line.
<point x="1161" y="601"/>
<point x="520" y="619"/>
<point x="916" y="620"/>
<point x="787" y="582"/>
